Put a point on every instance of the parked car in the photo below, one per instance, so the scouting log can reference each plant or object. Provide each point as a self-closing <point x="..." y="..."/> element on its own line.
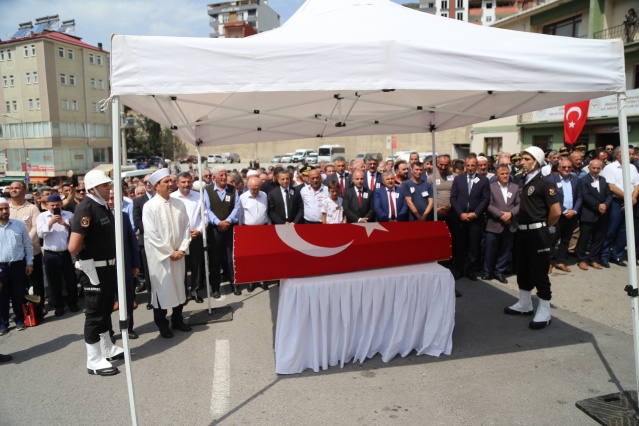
<point x="191" y="158"/>
<point x="300" y="154"/>
<point x="154" y="161"/>
<point x="231" y="157"/>
<point x="276" y="158"/>
<point x="215" y="158"/>
<point x="311" y="158"/>
<point x="286" y="158"/>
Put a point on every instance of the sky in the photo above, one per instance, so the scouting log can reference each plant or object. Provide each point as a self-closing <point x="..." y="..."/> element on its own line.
<point x="96" y="20"/>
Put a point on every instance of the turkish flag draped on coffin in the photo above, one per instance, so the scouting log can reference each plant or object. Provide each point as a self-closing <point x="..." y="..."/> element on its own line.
<point x="575" y="116"/>
<point x="270" y="252"/>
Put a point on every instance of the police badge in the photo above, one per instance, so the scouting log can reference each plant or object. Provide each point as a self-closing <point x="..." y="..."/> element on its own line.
<point x="531" y="189"/>
<point x="552" y="191"/>
<point x="85" y="221"/>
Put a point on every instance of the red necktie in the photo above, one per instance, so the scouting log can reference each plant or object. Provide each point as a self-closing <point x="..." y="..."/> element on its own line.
<point x="392" y="205"/>
<point x="372" y="187"/>
<point x="359" y="196"/>
<point x="341" y="185"/>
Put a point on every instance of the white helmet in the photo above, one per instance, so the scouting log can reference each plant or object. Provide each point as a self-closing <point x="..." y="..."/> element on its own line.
<point x="95" y="178"/>
<point x="537" y="154"/>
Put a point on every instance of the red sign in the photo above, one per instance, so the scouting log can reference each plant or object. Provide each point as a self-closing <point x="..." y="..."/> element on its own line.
<point x="575" y="116"/>
<point x="270" y="252"/>
<point x="394" y="142"/>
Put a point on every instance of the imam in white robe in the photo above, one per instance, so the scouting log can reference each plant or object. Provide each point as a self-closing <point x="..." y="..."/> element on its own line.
<point x="166" y="229"/>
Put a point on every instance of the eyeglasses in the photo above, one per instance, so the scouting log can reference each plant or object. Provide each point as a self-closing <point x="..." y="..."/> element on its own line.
<point x="206" y="175"/>
<point x="566" y="167"/>
<point x="146" y="181"/>
<point x="80" y="190"/>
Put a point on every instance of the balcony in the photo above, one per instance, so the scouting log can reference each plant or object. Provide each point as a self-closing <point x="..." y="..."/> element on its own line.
<point x="475" y="12"/>
<point x="627" y="35"/>
<point x="502" y="11"/>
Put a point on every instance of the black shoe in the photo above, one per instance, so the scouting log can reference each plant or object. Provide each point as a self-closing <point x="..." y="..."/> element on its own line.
<point x="251" y="288"/>
<point x="111" y="371"/>
<point x="149" y="306"/>
<point x="216" y="295"/>
<point x="59" y="312"/>
<point x="457" y="294"/>
<point x="74" y="308"/>
<point x="181" y="326"/>
<point x="140" y="288"/>
<point x="619" y="262"/>
<point x="133" y="335"/>
<point x="487" y="277"/>
<point x="197" y="298"/>
<point x="166" y="333"/>
<point x="5" y="358"/>
<point x="237" y="291"/>
<point x="501" y="278"/>
<point x="264" y="285"/>
<point x="604" y="263"/>
<point x="471" y="276"/>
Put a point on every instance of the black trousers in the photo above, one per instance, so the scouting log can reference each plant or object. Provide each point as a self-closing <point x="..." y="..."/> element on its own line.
<point x="145" y="267"/>
<point x="532" y="250"/>
<point x="159" y="316"/>
<point x="99" y="303"/>
<point x="195" y="264"/>
<point x="36" y="279"/>
<point x="220" y="245"/>
<point x="563" y="233"/>
<point x="467" y="243"/>
<point x="59" y="269"/>
<point x="592" y="233"/>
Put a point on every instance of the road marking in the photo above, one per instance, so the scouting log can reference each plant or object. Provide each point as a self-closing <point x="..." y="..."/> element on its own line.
<point x="221" y="378"/>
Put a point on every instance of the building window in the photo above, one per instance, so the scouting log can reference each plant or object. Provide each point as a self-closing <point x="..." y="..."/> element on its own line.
<point x="72" y="80"/>
<point x="63" y="79"/>
<point x="15" y="106"/>
<point x="460" y="16"/>
<point x="100" y="155"/>
<point x="489" y="18"/>
<point x="543" y="141"/>
<point x="444" y="15"/>
<point x="489" y="5"/>
<point x="7" y="106"/>
<point x="61" y="52"/>
<point x="1" y="55"/>
<point x="101" y="84"/>
<point x="25" y="51"/>
<point x="33" y="50"/>
<point x="30" y="104"/>
<point x="12" y="82"/>
<point x="94" y="107"/>
<point x="93" y="83"/>
<point x="65" y="104"/>
<point x="70" y="54"/>
<point x="5" y="81"/>
<point x="431" y="5"/>
<point x="444" y="4"/>
<point x="9" y="57"/>
<point x="91" y="58"/>
<point x="37" y="104"/>
<point x="35" y="77"/>
<point x="570" y="27"/>
<point x="27" y="78"/>
<point x="460" y="4"/>
<point x="74" y="105"/>
<point x="99" y="59"/>
<point x="492" y="146"/>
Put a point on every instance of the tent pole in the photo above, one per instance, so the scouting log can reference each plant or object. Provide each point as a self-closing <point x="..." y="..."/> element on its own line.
<point x="206" y="251"/>
<point x="434" y="156"/>
<point x="630" y="229"/>
<point x="119" y="252"/>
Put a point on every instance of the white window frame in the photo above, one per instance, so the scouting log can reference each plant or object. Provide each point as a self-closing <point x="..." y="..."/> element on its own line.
<point x="12" y="81"/>
<point x="25" y="50"/>
<point x="444" y="15"/>
<point x="9" y="55"/>
<point x="99" y="59"/>
<point x="445" y="4"/>
<point x="37" y="104"/>
<point x="91" y="58"/>
<point x="35" y="77"/>
<point x="61" y="52"/>
<point x="30" y="104"/>
<point x="93" y="85"/>
<point x="7" y="106"/>
<point x="94" y="107"/>
<point x="72" y="80"/>
<point x="27" y="77"/>
<point x="65" y="104"/>
<point x="74" y="105"/>
<point x="63" y="79"/>
<point x="101" y="84"/>
<point x="2" y="55"/>
<point x="70" y="54"/>
<point x="15" y="106"/>
<point x="460" y="16"/>
<point x="5" y="81"/>
<point x="33" y="50"/>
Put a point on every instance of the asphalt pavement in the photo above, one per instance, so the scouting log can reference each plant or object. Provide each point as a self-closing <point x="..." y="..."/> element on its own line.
<point x="499" y="373"/>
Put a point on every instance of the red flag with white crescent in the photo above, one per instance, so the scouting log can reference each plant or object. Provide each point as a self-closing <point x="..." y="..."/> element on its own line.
<point x="269" y="252"/>
<point x="575" y="116"/>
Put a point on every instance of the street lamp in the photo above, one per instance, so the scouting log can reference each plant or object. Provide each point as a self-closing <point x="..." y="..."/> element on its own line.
<point x="24" y="147"/>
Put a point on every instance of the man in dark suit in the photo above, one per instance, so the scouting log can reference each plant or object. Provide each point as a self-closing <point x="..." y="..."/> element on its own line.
<point x="501" y="225"/>
<point x="285" y="204"/>
<point x="388" y="202"/>
<point x="372" y="178"/>
<point x="593" y="221"/>
<point x="340" y="175"/>
<point x="469" y="196"/>
<point x="138" y="204"/>
<point x="569" y="196"/>
<point x="358" y="201"/>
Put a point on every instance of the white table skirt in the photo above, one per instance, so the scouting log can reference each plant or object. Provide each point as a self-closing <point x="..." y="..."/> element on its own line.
<point x="331" y="319"/>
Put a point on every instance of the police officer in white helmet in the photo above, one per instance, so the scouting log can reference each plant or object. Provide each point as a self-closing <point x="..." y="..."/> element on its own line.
<point x="539" y="209"/>
<point x="93" y="240"/>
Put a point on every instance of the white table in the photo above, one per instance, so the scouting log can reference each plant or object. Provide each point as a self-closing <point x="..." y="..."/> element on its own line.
<point x="327" y="320"/>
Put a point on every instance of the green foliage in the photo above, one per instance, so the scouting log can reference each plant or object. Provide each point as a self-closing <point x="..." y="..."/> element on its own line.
<point x="147" y="138"/>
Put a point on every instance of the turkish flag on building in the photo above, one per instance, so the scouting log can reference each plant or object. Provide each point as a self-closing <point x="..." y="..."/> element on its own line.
<point x="575" y="116"/>
<point x="270" y="252"/>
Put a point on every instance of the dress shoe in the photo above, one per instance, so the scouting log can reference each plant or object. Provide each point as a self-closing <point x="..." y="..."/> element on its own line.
<point x="74" y="308"/>
<point x="140" y="288"/>
<point x="265" y="286"/>
<point x="5" y="358"/>
<point x="471" y="276"/>
<point x="196" y="297"/>
<point x="618" y="262"/>
<point x="251" y="287"/>
<point x="237" y="291"/>
<point x="149" y="306"/>
<point x="59" y="312"/>
<point x="501" y="278"/>
<point x="166" y="333"/>
<point x="182" y="326"/>
<point x="595" y="265"/>
<point x="583" y="266"/>
<point x="133" y="335"/>
<point x="562" y="267"/>
<point x="21" y="326"/>
<point x="216" y="295"/>
<point x="487" y="277"/>
<point x="604" y="263"/>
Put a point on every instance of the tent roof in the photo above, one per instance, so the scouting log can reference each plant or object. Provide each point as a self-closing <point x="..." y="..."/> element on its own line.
<point x="353" y="67"/>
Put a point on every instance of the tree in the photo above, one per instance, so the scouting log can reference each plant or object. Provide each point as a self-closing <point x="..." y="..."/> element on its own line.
<point x="147" y="138"/>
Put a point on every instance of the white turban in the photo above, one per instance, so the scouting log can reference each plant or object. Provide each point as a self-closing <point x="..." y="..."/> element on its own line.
<point x="3" y="201"/>
<point x="482" y="158"/>
<point x="158" y="175"/>
<point x="252" y="173"/>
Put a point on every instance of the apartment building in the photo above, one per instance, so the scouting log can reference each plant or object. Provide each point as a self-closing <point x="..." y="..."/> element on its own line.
<point x="52" y="85"/>
<point x="241" y="18"/>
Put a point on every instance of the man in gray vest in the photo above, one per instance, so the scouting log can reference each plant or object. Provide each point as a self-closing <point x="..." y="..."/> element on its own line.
<point x="223" y="208"/>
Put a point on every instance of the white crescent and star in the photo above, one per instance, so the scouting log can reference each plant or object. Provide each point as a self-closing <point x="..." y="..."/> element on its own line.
<point x="576" y="109"/>
<point x="291" y="238"/>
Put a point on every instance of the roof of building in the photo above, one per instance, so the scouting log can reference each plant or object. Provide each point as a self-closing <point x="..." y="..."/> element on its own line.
<point x="57" y="36"/>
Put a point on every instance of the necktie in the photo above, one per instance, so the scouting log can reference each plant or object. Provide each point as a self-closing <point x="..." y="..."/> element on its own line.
<point x="359" y="196"/>
<point x="372" y="182"/>
<point x="391" y="204"/>
<point x="470" y="186"/>
<point x="288" y="202"/>
<point x="341" y="185"/>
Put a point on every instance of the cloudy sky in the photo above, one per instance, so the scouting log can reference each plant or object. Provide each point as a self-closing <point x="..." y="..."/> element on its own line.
<point x="96" y="20"/>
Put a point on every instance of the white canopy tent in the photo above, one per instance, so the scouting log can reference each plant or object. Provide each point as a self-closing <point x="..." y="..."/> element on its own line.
<point x="355" y="67"/>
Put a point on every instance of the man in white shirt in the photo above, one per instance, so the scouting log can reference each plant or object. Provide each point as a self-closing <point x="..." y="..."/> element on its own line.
<point x="313" y="196"/>
<point x="54" y="227"/>
<point x="195" y="258"/>
<point x="254" y="212"/>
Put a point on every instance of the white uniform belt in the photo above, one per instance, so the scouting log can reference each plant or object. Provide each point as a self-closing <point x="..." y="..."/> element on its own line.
<point x="535" y="225"/>
<point x="101" y="263"/>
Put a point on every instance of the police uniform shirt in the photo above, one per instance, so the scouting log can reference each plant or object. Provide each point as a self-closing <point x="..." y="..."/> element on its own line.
<point x="536" y="197"/>
<point x="95" y="221"/>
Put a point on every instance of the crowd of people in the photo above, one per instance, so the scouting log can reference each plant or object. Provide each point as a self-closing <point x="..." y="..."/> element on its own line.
<point x="558" y="202"/>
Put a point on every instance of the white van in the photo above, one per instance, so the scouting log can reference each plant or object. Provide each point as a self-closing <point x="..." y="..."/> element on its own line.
<point x="328" y="153"/>
<point x="300" y="154"/>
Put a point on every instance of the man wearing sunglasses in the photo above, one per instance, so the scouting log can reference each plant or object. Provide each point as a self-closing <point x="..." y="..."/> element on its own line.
<point x="78" y="195"/>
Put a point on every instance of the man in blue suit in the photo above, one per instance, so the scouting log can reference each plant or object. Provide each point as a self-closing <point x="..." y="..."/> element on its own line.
<point x="469" y="196"/>
<point x="388" y="202"/>
<point x="372" y="178"/>
<point x="593" y="221"/>
<point x="569" y="196"/>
